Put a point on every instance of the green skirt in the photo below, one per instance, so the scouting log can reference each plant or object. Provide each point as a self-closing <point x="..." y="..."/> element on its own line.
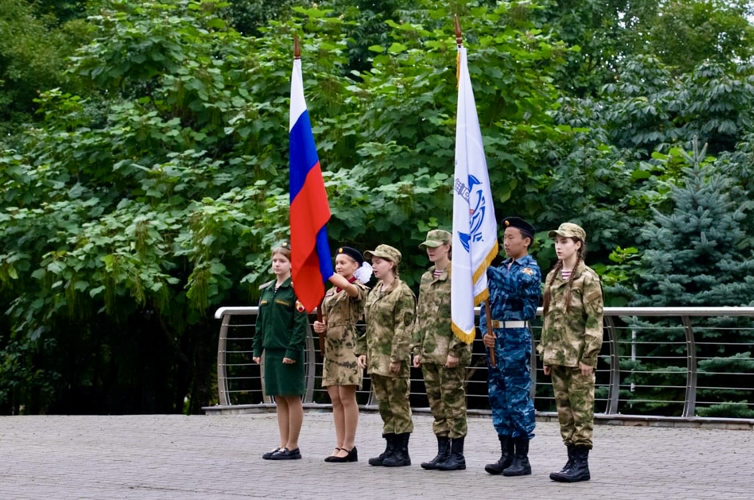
<point x="281" y="379"/>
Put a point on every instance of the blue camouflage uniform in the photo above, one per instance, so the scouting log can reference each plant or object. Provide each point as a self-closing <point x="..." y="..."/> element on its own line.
<point x="514" y="296"/>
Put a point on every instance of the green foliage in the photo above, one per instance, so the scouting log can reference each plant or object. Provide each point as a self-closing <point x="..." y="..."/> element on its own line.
<point x="33" y="50"/>
<point x="688" y="33"/>
<point x="152" y="179"/>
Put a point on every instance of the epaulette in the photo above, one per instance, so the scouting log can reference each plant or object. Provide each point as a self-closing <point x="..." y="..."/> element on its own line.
<point x="265" y="285"/>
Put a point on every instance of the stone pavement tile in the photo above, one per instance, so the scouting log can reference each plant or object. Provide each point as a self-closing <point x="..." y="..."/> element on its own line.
<point x="157" y="457"/>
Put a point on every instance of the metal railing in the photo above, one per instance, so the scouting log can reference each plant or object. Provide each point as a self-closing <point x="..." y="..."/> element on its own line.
<point x="651" y="363"/>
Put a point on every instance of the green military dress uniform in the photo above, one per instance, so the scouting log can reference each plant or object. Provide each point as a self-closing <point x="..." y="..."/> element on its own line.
<point x="342" y="312"/>
<point x="281" y="333"/>
<point x="432" y="341"/>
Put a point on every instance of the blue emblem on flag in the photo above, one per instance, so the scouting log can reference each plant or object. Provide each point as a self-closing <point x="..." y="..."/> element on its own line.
<point x="473" y="193"/>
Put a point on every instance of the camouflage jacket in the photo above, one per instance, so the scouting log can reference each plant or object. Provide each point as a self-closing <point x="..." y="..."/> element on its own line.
<point x="389" y="317"/>
<point x="341" y="309"/>
<point x="576" y="336"/>
<point x="515" y="292"/>
<point x="433" y="338"/>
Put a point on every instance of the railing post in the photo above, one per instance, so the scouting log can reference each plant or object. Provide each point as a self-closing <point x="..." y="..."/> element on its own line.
<point x="613" y="390"/>
<point x="310" y="362"/>
<point x="689" y="405"/>
<point x="222" y="376"/>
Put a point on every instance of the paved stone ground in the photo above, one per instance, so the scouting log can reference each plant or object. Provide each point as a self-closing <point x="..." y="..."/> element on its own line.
<point x="160" y="457"/>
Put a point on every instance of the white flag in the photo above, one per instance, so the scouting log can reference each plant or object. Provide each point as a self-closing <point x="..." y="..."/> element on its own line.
<point x="474" y="225"/>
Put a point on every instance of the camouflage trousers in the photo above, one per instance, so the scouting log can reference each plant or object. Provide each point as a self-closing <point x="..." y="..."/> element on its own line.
<point x="509" y="384"/>
<point x="574" y="397"/>
<point x="395" y="410"/>
<point x="447" y="399"/>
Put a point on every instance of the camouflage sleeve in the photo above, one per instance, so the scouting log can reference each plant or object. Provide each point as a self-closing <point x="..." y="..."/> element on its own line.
<point x="417" y="332"/>
<point x="483" y="319"/>
<point x="456" y="346"/>
<point x="297" y="343"/>
<point x="593" y="304"/>
<point x="361" y="345"/>
<point x="531" y="292"/>
<point x="405" y="311"/>
<point x="361" y="342"/>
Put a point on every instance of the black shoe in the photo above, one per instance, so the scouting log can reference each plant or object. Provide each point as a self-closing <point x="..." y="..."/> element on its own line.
<point x="400" y="457"/>
<point x="269" y="454"/>
<point x="520" y="465"/>
<point x="456" y="460"/>
<point x="506" y="456"/>
<point x="329" y="459"/>
<point x="353" y="456"/>
<point x="567" y="467"/>
<point x="443" y="452"/>
<point x="286" y="454"/>
<point x="389" y="447"/>
<point x="579" y="471"/>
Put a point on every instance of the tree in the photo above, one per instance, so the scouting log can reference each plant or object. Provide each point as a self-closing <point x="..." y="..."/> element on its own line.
<point x="697" y="255"/>
<point x="687" y="33"/>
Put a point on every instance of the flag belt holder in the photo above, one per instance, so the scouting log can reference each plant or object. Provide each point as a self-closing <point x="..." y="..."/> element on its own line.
<point x="509" y="324"/>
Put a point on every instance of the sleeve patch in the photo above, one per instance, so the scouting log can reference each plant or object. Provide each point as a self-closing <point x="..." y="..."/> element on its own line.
<point x="300" y="307"/>
<point x="527" y="270"/>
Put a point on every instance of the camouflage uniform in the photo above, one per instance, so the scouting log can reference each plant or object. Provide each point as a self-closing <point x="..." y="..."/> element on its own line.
<point x="342" y="312"/>
<point x="570" y="338"/>
<point x="432" y="341"/>
<point x="389" y="317"/>
<point x="514" y="296"/>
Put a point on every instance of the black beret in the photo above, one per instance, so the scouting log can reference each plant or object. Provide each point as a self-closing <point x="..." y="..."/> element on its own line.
<point x="519" y="223"/>
<point x="353" y="253"/>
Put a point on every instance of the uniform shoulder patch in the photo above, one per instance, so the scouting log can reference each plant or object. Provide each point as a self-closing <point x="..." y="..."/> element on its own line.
<point x="300" y="307"/>
<point x="265" y="285"/>
<point x="527" y="270"/>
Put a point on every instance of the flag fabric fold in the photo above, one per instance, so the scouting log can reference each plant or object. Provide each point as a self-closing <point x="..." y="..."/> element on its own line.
<point x="311" y="265"/>
<point x="474" y="225"/>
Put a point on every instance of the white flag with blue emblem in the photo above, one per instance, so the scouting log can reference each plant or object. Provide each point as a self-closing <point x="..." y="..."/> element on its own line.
<point x="474" y="224"/>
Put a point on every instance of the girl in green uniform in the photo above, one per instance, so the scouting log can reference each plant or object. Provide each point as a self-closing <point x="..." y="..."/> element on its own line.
<point x="281" y="335"/>
<point x="342" y="308"/>
<point x="571" y="342"/>
<point x="384" y="351"/>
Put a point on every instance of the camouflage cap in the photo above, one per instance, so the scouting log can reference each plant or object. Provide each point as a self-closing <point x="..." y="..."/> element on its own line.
<point x="569" y="230"/>
<point x="384" y="252"/>
<point x="435" y="238"/>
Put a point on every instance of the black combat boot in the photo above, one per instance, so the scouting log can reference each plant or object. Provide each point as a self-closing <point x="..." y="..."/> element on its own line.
<point x="579" y="471"/>
<point x="400" y="457"/>
<point x="567" y="467"/>
<point x="520" y="465"/>
<point x="456" y="460"/>
<point x="506" y="456"/>
<point x="443" y="452"/>
<point x="389" y="447"/>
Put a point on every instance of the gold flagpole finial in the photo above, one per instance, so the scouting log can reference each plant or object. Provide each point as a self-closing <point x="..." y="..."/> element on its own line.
<point x="459" y="36"/>
<point x="296" y="47"/>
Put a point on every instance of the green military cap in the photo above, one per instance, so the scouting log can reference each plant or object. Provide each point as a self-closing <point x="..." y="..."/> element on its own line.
<point x="435" y="238"/>
<point x="384" y="252"/>
<point x="569" y="230"/>
<point x="285" y="244"/>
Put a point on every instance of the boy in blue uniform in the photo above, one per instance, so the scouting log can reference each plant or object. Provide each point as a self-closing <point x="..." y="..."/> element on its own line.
<point x="515" y="292"/>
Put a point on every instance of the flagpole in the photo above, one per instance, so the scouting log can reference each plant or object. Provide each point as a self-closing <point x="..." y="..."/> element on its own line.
<point x="459" y="42"/>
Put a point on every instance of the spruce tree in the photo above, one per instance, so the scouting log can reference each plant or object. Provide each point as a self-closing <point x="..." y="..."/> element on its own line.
<point x="697" y="256"/>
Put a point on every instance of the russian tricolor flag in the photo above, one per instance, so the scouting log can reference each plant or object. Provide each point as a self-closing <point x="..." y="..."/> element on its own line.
<point x="310" y="252"/>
